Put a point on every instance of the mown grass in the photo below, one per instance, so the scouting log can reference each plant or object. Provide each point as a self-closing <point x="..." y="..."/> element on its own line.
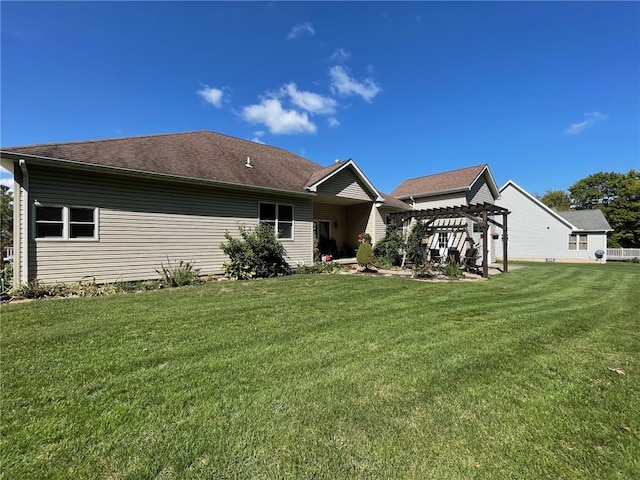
<point x="330" y="377"/>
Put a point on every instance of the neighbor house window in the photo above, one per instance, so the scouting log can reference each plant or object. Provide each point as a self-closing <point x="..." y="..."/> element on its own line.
<point x="65" y="223"/>
<point x="577" y="242"/>
<point x="280" y="217"/>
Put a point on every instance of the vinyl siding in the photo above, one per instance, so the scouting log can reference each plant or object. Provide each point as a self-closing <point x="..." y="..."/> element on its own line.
<point x="358" y="222"/>
<point x="448" y="200"/>
<point x="380" y="227"/>
<point x="142" y="223"/>
<point x="344" y="184"/>
<point x="480" y="192"/>
<point x="535" y="234"/>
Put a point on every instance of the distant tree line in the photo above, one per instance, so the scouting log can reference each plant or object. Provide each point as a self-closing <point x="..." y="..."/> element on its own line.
<point x="616" y="194"/>
<point x="6" y="219"/>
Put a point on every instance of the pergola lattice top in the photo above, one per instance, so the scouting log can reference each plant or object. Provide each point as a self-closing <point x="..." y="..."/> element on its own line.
<point x="452" y="212"/>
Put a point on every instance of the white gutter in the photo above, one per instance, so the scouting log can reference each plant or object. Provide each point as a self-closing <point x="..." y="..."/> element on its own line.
<point x="24" y="271"/>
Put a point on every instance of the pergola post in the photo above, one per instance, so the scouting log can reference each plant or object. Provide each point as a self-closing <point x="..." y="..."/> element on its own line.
<point x="505" y="238"/>
<point x="485" y="245"/>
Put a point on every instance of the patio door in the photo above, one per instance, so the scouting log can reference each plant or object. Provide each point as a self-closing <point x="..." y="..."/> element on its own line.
<point x="322" y="230"/>
<point x="444" y="241"/>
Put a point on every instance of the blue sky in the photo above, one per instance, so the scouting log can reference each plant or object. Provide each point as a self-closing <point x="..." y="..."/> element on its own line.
<point x="546" y="93"/>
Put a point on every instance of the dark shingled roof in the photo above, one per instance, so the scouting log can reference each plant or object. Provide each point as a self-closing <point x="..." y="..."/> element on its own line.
<point x="195" y="155"/>
<point x="588" y="220"/>
<point x="453" y="180"/>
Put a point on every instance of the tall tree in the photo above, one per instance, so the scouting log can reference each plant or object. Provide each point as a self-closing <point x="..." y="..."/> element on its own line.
<point x="618" y="196"/>
<point x="6" y="212"/>
<point x="558" y="199"/>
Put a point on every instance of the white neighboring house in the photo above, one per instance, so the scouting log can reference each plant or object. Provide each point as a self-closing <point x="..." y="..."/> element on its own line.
<point x="539" y="233"/>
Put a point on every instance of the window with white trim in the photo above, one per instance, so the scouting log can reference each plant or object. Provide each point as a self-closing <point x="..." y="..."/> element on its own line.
<point x="577" y="241"/>
<point x="66" y="223"/>
<point x="280" y="217"/>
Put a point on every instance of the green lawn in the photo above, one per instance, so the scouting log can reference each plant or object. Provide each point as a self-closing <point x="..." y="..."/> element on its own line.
<point x="320" y="376"/>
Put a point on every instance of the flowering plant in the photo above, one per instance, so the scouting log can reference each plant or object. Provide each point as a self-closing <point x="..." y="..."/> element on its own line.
<point x="364" y="237"/>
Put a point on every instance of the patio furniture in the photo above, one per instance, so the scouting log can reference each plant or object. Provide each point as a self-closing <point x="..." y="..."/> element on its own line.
<point x="454" y="255"/>
<point x="470" y="261"/>
<point x="435" y="257"/>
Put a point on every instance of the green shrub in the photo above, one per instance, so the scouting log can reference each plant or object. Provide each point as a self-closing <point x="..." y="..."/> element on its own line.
<point x="32" y="289"/>
<point x="6" y="279"/>
<point x="321" y="267"/>
<point x="452" y="269"/>
<point x="387" y="250"/>
<point x="365" y="256"/>
<point x="256" y="254"/>
<point x="177" y="274"/>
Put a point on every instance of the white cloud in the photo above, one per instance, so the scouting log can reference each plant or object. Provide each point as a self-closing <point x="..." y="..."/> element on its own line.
<point x="258" y="134"/>
<point x="591" y="119"/>
<point x="309" y="101"/>
<point x="212" y="95"/>
<point x="340" y="55"/>
<point x="301" y="29"/>
<point x="6" y="178"/>
<point x="7" y="182"/>
<point x="343" y="84"/>
<point x="333" y="122"/>
<point x="270" y="113"/>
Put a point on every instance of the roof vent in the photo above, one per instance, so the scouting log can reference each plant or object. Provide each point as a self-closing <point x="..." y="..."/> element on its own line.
<point x="248" y="164"/>
<point x="336" y="161"/>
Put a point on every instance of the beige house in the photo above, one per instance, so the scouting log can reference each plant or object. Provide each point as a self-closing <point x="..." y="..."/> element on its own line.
<point x="116" y="209"/>
<point x="461" y="187"/>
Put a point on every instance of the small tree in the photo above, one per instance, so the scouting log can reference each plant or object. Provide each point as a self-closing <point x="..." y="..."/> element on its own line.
<point x="415" y="251"/>
<point x="365" y="256"/>
<point x="257" y="254"/>
<point x="387" y="250"/>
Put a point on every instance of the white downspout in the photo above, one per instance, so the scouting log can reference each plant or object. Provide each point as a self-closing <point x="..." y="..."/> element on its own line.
<point x="24" y="271"/>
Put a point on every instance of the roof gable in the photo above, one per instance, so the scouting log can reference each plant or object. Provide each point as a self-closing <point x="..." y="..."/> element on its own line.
<point x="321" y="176"/>
<point x="542" y="206"/>
<point x="199" y="155"/>
<point x="446" y="182"/>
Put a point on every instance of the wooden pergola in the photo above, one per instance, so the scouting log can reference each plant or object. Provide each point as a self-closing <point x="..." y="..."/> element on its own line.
<point x="479" y="213"/>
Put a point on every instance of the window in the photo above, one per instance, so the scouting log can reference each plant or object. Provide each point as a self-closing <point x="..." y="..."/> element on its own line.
<point x="280" y="217"/>
<point x="66" y="223"/>
<point x="49" y="223"/>
<point x="577" y="242"/>
<point x="443" y="240"/>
